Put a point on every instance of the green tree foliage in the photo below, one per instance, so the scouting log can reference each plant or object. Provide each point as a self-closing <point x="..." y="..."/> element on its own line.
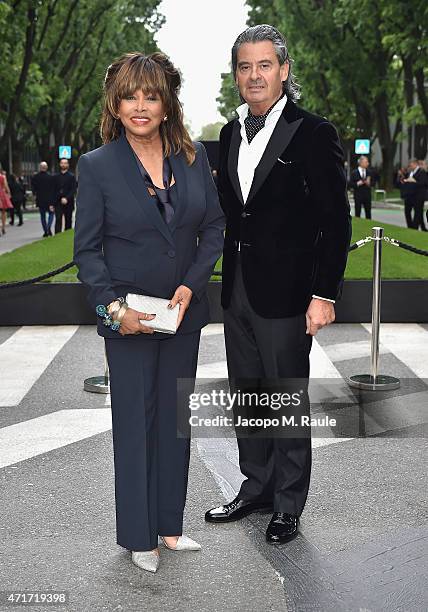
<point x="360" y="63"/>
<point x="228" y="99"/>
<point x="54" y="57"/>
<point x="210" y="131"/>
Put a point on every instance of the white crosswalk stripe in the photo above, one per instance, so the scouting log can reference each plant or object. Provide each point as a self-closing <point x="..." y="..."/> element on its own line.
<point x="26" y="355"/>
<point x="344" y="351"/>
<point x="36" y="436"/>
<point x="408" y="342"/>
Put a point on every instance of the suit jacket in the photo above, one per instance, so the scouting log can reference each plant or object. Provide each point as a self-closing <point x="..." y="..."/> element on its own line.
<point x="421" y="184"/>
<point x="65" y="187"/>
<point x="295" y="227"/>
<point x="361" y="192"/>
<point x="17" y="189"/>
<point x="43" y="187"/>
<point x="122" y="244"/>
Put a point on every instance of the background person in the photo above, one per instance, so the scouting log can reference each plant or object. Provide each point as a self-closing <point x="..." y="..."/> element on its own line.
<point x="148" y="221"/>
<point x="413" y="188"/>
<point x="361" y="183"/>
<point x="17" y="191"/>
<point x="65" y="190"/>
<point x="5" y="201"/>
<point x="43" y="188"/>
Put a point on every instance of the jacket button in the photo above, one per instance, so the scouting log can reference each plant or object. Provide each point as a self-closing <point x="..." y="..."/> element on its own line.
<point x="171" y="253"/>
<point x="243" y="215"/>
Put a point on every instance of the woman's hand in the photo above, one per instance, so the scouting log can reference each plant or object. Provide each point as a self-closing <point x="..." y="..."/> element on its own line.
<point x="182" y="296"/>
<point x="131" y="323"/>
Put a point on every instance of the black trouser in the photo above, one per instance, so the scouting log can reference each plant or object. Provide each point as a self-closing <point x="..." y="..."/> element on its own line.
<point x="414" y="205"/>
<point x="277" y="469"/>
<point x="66" y="211"/>
<point x="151" y="461"/>
<point x="409" y="206"/>
<point x="16" y="210"/>
<point x="367" y="203"/>
<point x="418" y="220"/>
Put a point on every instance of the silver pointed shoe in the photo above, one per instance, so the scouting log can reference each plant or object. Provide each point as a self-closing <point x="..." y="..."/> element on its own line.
<point x="183" y="543"/>
<point x="146" y="559"/>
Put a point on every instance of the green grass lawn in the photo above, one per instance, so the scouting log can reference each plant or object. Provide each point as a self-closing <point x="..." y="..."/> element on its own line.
<point x="50" y="253"/>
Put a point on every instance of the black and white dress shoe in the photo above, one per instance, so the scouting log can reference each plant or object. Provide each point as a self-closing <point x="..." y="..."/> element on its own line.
<point x="235" y="510"/>
<point x="282" y="528"/>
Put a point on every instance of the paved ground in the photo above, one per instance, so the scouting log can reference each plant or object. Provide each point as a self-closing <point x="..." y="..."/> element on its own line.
<point x="363" y="535"/>
<point x="16" y="236"/>
<point x="392" y="213"/>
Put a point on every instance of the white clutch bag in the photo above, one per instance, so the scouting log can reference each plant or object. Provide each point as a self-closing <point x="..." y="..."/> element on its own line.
<point x="166" y="318"/>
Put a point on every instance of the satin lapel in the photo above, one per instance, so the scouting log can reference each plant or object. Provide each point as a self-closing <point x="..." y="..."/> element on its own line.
<point x="279" y="141"/>
<point x="178" y="163"/>
<point x="135" y="181"/>
<point x="232" y="160"/>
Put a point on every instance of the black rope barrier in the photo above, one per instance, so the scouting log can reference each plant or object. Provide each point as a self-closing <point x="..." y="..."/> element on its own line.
<point x="353" y="247"/>
<point x="36" y="279"/>
<point x="406" y="247"/>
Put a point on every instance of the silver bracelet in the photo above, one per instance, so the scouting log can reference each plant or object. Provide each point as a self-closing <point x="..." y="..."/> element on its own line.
<point x="121" y="312"/>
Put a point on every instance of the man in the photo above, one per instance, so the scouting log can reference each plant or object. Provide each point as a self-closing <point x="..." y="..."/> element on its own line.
<point x="283" y="188"/>
<point x="361" y="184"/>
<point x="414" y="195"/>
<point x="423" y="164"/>
<point x="65" y="188"/>
<point x="43" y="187"/>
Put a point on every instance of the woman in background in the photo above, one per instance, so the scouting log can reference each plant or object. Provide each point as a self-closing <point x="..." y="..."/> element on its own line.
<point x="5" y="203"/>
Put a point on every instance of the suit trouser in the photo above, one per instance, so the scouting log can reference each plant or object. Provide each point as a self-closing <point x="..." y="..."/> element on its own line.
<point x="276" y="469"/>
<point x="151" y="461"/>
<point x="359" y="202"/>
<point x="16" y="210"/>
<point x="410" y="205"/>
<point x="419" y="214"/>
<point x="66" y="211"/>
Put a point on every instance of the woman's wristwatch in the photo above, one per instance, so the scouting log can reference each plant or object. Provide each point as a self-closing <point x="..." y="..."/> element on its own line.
<point x="113" y="313"/>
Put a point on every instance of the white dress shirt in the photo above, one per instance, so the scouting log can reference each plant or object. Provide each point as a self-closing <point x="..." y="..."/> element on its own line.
<point x="362" y="172"/>
<point x="251" y="153"/>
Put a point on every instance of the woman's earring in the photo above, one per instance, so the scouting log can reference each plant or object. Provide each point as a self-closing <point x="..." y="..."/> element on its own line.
<point x="165" y="118"/>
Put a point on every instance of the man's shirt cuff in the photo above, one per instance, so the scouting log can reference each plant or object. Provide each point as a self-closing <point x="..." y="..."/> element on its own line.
<point x="323" y="298"/>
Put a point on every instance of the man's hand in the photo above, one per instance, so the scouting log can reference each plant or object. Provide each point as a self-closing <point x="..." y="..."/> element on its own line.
<point x="319" y="314"/>
<point x="64" y="201"/>
<point x="182" y="296"/>
<point x="131" y="323"/>
<point x="51" y="208"/>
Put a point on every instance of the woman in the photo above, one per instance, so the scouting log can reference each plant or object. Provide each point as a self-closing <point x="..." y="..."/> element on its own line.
<point x="5" y="203"/>
<point x="149" y="222"/>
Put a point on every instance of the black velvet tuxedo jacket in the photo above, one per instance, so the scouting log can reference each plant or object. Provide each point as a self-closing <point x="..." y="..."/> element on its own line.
<point x="295" y="227"/>
<point x="122" y="244"/>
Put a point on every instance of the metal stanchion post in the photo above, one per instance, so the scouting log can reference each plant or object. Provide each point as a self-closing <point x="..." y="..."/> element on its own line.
<point x="375" y="381"/>
<point x="99" y="384"/>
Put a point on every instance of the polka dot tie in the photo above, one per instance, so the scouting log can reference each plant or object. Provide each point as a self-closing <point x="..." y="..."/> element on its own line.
<point x="254" y="123"/>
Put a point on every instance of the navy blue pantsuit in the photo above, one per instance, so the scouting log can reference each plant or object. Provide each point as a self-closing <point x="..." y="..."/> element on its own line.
<point x="123" y="244"/>
<point x="151" y="460"/>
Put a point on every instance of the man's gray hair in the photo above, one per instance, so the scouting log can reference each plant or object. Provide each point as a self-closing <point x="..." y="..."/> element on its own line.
<point x="263" y="32"/>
